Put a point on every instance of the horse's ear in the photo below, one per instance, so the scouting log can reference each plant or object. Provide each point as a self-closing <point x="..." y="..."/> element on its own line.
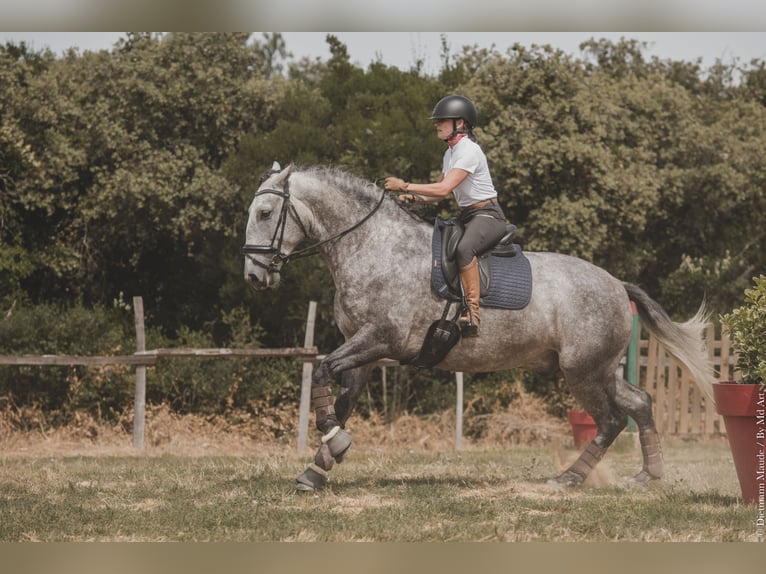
<point x="284" y="174"/>
<point x="278" y="173"/>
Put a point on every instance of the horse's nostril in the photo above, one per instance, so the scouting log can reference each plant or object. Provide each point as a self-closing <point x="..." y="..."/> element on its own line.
<point x="252" y="278"/>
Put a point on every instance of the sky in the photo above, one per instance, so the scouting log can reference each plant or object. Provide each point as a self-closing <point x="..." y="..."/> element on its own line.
<point x="404" y="49"/>
<point x="311" y="15"/>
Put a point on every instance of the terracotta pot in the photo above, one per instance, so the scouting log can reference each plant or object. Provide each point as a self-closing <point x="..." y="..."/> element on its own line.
<point x="743" y="408"/>
<point x="583" y="428"/>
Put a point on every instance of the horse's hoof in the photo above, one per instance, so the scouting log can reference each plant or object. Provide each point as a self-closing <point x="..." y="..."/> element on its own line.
<point x="566" y="480"/>
<point x="642" y="479"/>
<point x="338" y="441"/>
<point x="311" y="480"/>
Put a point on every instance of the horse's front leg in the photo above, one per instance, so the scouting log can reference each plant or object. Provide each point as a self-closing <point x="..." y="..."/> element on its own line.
<point x="352" y="384"/>
<point x="334" y="449"/>
<point x="352" y="360"/>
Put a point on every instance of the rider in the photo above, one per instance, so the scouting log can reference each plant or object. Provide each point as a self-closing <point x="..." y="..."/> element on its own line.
<point x="465" y="174"/>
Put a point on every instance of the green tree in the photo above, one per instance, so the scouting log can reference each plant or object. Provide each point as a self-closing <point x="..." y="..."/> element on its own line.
<point x="627" y="163"/>
<point x="27" y="116"/>
<point x="120" y="189"/>
<point x="567" y="155"/>
<point x="130" y="171"/>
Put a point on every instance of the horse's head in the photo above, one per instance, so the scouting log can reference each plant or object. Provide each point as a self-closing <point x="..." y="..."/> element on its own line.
<point x="273" y="230"/>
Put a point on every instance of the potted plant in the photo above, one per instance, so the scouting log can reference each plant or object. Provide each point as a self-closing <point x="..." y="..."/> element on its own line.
<point x="743" y="403"/>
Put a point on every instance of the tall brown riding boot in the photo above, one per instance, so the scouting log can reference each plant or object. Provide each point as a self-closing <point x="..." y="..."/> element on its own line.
<point x="469" y="279"/>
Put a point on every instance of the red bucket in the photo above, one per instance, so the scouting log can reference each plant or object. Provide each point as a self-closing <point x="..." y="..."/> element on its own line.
<point x="583" y="428"/>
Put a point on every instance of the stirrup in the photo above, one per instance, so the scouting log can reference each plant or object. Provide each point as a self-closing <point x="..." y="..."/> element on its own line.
<point x="467" y="326"/>
<point x="470" y="330"/>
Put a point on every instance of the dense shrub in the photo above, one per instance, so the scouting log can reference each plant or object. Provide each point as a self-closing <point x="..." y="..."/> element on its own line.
<point x="53" y="329"/>
<point x="207" y="385"/>
<point x="747" y="327"/>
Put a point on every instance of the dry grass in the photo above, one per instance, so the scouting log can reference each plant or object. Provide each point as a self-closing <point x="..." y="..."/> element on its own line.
<point x="231" y="479"/>
<point x="378" y="494"/>
<point x="27" y="431"/>
<point x="166" y="432"/>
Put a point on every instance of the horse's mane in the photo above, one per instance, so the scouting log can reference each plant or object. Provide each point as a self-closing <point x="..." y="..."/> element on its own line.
<point x="348" y="183"/>
<point x="351" y="185"/>
<point x="354" y="185"/>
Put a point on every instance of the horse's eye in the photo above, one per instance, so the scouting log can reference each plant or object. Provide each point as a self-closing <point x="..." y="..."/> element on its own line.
<point x="264" y="215"/>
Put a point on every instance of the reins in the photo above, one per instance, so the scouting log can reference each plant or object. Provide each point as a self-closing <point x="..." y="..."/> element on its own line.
<point x="279" y="258"/>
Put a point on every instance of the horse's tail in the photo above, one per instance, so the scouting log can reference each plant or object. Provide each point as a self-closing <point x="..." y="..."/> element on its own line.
<point x="682" y="340"/>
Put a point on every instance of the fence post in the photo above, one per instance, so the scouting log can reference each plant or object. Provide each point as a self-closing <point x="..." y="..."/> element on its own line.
<point x="459" y="411"/>
<point x="139" y="409"/>
<point x="631" y="362"/>
<point x="308" y="370"/>
<point x="385" y="393"/>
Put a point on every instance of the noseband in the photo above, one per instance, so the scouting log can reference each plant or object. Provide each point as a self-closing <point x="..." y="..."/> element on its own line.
<point x="279" y="258"/>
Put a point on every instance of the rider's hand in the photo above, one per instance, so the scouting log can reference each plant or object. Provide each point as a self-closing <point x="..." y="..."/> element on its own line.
<point x="395" y="184"/>
<point x="406" y="198"/>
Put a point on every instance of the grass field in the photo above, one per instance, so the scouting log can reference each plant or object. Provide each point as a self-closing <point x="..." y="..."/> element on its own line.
<point x="382" y="495"/>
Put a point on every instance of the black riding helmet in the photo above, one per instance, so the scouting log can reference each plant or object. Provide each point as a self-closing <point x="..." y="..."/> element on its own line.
<point x="454" y="108"/>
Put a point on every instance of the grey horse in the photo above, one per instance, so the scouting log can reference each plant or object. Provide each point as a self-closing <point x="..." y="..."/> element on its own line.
<point x="578" y="321"/>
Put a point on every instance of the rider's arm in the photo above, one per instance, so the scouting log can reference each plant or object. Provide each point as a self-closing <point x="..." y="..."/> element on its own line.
<point x="425" y="199"/>
<point x="441" y="188"/>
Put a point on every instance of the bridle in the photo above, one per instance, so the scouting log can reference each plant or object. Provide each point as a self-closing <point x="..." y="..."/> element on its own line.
<point x="279" y="258"/>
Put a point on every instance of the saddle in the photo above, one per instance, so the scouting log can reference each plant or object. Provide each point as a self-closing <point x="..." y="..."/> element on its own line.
<point x="506" y="282"/>
<point x="504" y="271"/>
<point x="445" y="260"/>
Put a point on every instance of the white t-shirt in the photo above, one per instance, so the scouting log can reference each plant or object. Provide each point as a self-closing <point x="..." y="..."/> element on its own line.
<point x="468" y="156"/>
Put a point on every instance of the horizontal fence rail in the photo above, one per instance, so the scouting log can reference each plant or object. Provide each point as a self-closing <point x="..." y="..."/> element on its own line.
<point x="299" y="352"/>
<point x="75" y="360"/>
<point x="150" y="357"/>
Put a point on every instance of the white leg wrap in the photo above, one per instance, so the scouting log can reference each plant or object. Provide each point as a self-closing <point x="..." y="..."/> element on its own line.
<point x="326" y="438"/>
<point x="338" y="441"/>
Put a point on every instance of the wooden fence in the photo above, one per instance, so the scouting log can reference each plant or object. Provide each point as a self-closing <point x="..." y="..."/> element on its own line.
<point x="680" y="408"/>
<point x="143" y="358"/>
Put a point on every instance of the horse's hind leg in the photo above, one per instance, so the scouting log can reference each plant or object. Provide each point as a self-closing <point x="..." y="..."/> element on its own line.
<point x="638" y="404"/>
<point x="598" y="401"/>
<point x="610" y="410"/>
<point x="608" y="429"/>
